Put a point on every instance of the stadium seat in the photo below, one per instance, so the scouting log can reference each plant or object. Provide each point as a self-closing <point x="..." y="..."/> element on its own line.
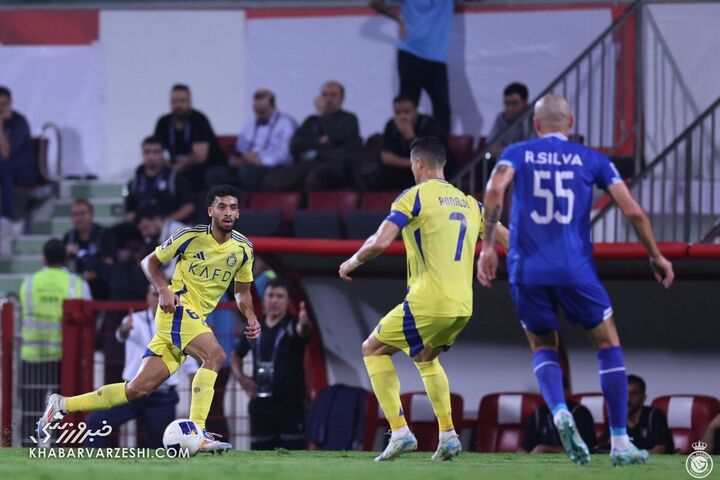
<point x="267" y="223"/>
<point x="338" y="418"/>
<point x="688" y="417"/>
<point x="286" y="202"/>
<point x="324" y="224"/>
<point x="378" y="201"/>
<point x="421" y="418"/>
<point x="339" y="200"/>
<point x="227" y="143"/>
<point x="461" y="148"/>
<point x="595" y="403"/>
<point x="361" y="225"/>
<point x="501" y="420"/>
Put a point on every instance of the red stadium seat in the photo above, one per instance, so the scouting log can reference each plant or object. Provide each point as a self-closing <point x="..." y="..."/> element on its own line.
<point x="688" y="417"/>
<point x="286" y="202"/>
<point x="340" y="201"/>
<point x="595" y="403"/>
<point x="227" y="143"/>
<point x="461" y="147"/>
<point x="373" y="421"/>
<point x="421" y="418"/>
<point x="378" y="201"/>
<point x="501" y="420"/>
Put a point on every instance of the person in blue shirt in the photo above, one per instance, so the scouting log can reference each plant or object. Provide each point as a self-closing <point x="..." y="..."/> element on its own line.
<point x="423" y="50"/>
<point x="550" y="263"/>
<point x="17" y="164"/>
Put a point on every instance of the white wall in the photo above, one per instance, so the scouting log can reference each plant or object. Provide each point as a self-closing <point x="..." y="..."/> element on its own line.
<point x="146" y="52"/>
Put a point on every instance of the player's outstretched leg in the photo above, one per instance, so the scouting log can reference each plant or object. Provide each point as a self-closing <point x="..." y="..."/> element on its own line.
<point x="206" y="350"/>
<point x="437" y="388"/>
<point x="613" y="381"/>
<point x="546" y="366"/>
<point x="152" y="373"/>
<point x="386" y="385"/>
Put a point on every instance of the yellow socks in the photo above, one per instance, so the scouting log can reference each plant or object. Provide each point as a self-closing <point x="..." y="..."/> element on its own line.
<point x="203" y="390"/>
<point x="104" y="398"/>
<point x="438" y="389"/>
<point x="386" y="385"/>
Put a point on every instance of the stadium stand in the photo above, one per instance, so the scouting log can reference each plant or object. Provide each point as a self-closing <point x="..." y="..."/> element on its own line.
<point x="688" y="416"/>
<point x="501" y="420"/>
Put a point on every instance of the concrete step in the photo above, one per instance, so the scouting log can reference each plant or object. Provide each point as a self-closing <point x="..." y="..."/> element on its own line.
<point x="58" y="226"/>
<point x="104" y="207"/>
<point x="28" y="244"/>
<point x="21" y="264"/>
<point x="10" y="282"/>
<point x="97" y="190"/>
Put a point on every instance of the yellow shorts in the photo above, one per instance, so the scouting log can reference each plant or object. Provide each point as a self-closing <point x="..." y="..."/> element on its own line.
<point x="174" y="332"/>
<point x="410" y="333"/>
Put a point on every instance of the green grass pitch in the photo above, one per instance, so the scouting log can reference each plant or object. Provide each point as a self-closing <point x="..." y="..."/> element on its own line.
<point x="15" y="464"/>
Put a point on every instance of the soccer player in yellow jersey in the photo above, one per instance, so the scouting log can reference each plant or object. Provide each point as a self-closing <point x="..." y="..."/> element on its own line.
<point x="440" y="228"/>
<point x="210" y="257"/>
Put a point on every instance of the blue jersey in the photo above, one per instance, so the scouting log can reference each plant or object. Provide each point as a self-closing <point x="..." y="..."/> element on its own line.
<point x="550" y="217"/>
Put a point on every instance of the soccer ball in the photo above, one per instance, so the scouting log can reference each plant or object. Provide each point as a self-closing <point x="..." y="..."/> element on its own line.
<point x="183" y="433"/>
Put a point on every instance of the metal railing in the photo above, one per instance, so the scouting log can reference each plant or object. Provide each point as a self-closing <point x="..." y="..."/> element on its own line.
<point x="680" y="189"/>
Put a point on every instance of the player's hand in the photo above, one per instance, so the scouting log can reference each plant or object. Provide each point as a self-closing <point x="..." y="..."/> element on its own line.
<point x="252" y="329"/>
<point x="663" y="271"/>
<point x="487" y="266"/>
<point x="168" y="300"/>
<point x="345" y="269"/>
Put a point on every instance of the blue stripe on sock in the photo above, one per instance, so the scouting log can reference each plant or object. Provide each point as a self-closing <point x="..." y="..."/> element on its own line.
<point x="618" y="432"/>
<point x="176" y="324"/>
<point x="559" y="407"/>
<point x="412" y="336"/>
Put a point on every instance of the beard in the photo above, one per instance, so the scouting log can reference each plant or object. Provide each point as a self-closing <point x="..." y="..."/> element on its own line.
<point x="223" y="228"/>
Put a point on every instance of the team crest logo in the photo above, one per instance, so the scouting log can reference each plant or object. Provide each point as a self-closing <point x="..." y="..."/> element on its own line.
<point x="231" y="260"/>
<point x="699" y="464"/>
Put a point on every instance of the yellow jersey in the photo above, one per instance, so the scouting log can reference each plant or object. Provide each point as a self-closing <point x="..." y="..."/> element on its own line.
<point x="440" y="227"/>
<point x="205" y="268"/>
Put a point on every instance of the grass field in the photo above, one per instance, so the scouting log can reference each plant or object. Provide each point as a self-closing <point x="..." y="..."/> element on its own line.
<point x="15" y="464"/>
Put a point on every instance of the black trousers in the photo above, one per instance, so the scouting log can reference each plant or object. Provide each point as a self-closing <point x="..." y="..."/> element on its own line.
<point x="417" y="74"/>
<point x="37" y="381"/>
<point x="277" y="422"/>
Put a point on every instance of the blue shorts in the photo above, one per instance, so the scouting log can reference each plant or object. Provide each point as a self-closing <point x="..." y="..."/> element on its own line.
<point x="537" y="305"/>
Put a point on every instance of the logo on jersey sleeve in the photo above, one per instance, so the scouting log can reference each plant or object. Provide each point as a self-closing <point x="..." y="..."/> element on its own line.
<point x="166" y="244"/>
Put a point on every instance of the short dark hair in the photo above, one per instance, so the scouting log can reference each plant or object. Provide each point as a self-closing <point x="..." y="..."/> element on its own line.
<point x="517" y="87"/>
<point x="264" y="93"/>
<point x="147" y="213"/>
<point x="151" y="140"/>
<point x="5" y="92"/>
<point x="404" y="98"/>
<point x="180" y="86"/>
<point x="278" y="282"/>
<point x="637" y="381"/>
<point x="429" y="149"/>
<point x="86" y="202"/>
<point x="222" y="191"/>
<point x="54" y="252"/>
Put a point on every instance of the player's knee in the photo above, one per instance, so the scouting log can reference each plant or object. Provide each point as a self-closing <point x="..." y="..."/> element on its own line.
<point x="136" y="391"/>
<point x="367" y="348"/>
<point x="214" y="359"/>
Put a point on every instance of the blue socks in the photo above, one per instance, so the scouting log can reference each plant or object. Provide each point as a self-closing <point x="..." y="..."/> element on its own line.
<point x="613" y="382"/>
<point x="546" y="366"/>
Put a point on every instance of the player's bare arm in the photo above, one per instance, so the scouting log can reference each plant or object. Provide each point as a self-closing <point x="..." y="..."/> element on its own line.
<point x="376" y="243"/>
<point x="494" y="194"/>
<point x="243" y="299"/>
<point x="151" y="268"/>
<point x="662" y="268"/>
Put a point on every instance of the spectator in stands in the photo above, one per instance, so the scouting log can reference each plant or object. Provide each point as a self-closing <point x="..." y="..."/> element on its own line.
<point x="422" y="51"/>
<point x="17" y="162"/>
<point x="263" y="144"/>
<point x="41" y="299"/>
<point x="400" y="131"/>
<point x="189" y="138"/>
<point x="158" y="186"/>
<point x="541" y="435"/>
<point x="263" y="274"/>
<point x="515" y="99"/>
<point x="277" y="385"/>
<point x="82" y="245"/>
<point x="647" y="427"/>
<point x="712" y="436"/>
<point x="324" y="147"/>
<point x="155" y="229"/>
<point x="158" y="410"/>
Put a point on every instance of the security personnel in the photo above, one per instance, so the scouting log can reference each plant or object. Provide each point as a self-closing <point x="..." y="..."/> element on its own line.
<point x="41" y="297"/>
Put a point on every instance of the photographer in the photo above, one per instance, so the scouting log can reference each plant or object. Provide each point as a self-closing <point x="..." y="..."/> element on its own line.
<point x="277" y="385"/>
